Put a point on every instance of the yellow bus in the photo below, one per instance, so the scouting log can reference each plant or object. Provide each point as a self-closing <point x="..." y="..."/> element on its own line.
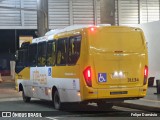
<point x="85" y="64"/>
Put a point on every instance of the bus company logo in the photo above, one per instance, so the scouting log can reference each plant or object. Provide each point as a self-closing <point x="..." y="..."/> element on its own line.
<point x="102" y="77"/>
<point x="6" y="114"/>
<point x="21" y="115"/>
<point x="49" y="71"/>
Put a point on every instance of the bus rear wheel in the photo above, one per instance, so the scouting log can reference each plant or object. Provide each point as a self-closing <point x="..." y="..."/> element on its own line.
<point x="56" y="101"/>
<point x="25" y="98"/>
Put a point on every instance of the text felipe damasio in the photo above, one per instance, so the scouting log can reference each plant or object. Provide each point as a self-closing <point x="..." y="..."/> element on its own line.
<point x="144" y="115"/>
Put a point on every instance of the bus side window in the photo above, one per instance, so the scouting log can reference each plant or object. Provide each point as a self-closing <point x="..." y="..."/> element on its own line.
<point x="33" y="54"/>
<point x="25" y="57"/>
<point x="51" y="53"/>
<point x="74" y="49"/>
<point x="20" y="57"/>
<point x="42" y="54"/>
<point x="62" y="51"/>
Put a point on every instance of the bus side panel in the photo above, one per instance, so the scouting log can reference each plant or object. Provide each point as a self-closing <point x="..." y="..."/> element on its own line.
<point x="66" y="80"/>
<point x="22" y="75"/>
<point x="85" y="61"/>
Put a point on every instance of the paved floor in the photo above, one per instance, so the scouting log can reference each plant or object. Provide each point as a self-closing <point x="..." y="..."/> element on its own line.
<point x="7" y="90"/>
<point x="151" y="101"/>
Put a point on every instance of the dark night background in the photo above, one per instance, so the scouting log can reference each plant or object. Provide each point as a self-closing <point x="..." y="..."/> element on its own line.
<point x="9" y="39"/>
<point x="9" y="43"/>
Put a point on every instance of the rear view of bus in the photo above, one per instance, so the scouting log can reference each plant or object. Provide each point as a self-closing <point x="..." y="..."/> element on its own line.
<point x="117" y="64"/>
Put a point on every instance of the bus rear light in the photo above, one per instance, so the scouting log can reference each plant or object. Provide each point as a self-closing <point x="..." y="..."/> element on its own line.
<point x="92" y="29"/>
<point x="145" y="75"/>
<point x="146" y="71"/>
<point x="88" y="76"/>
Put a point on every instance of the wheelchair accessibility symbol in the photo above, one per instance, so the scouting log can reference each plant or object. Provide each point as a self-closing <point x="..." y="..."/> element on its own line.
<point x="102" y="77"/>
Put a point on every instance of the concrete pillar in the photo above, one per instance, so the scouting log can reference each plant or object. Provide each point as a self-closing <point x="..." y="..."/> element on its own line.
<point x="108" y="12"/>
<point x="42" y="17"/>
<point x="12" y="69"/>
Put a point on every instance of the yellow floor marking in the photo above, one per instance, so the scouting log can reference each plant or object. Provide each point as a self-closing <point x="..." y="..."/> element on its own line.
<point x="150" y="100"/>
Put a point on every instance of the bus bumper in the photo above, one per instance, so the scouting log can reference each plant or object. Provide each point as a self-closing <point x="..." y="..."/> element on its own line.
<point x="114" y="93"/>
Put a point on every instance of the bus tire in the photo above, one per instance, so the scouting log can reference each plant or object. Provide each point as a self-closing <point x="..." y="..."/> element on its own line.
<point x="104" y="106"/>
<point x="25" y="98"/>
<point x="56" y="101"/>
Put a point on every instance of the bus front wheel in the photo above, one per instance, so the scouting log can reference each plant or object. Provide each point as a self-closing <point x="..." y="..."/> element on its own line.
<point x="25" y="98"/>
<point x="56" y="101"/>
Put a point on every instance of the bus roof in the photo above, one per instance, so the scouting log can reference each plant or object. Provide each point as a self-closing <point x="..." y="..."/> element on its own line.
<point x="70" y="28"/>
<point x="50" y="34"/>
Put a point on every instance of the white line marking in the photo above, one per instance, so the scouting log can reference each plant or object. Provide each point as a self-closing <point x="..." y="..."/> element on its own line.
<point x="125" y="109"/>
<point x="10" y="99"/>
<point x="53" y="118"/>
<point x="150" y="100"/>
